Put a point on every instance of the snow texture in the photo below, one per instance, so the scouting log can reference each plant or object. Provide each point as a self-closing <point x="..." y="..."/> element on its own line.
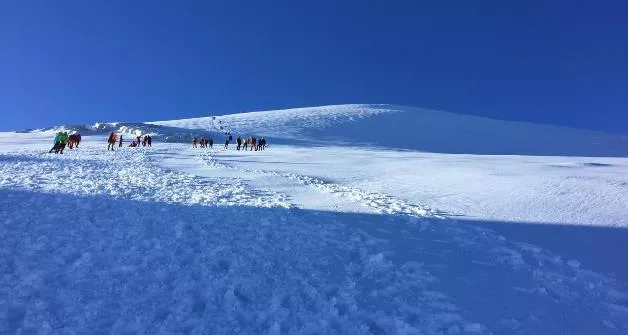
<point x="331" y="230"/>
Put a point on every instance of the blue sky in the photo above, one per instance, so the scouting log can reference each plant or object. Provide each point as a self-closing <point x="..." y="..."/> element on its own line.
<point x="71" y="61"/>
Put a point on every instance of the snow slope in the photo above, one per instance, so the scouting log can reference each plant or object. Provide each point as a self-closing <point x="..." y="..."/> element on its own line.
<point x="328" y="232"/>
<point x="404" y="127"/>
<point x="536" y="189"/>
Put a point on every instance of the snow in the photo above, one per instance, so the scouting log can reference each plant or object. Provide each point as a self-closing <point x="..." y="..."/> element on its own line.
<point x="331" y="230"/>
<point x="402" y="127"/>
<point x="503" y="188"/>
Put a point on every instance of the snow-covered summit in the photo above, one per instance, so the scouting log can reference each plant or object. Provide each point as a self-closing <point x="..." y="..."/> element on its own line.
<point x="412" y="128"/>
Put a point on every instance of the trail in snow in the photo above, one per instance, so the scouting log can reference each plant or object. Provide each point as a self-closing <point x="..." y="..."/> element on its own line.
<point x="380" y="203"/>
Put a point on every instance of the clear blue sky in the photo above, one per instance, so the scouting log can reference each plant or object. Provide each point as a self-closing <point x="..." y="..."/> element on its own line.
<point x="80" y="61"/>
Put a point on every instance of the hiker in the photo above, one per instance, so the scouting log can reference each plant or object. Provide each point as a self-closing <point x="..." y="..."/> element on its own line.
<point x="120" y="145"/>
<point x="239" y="141"/>
<point x="74" y="140"/>
<point x="193" y="142"/>
<point x="145" y="140"/>
<point x="227" y="144"/>
<point x="112" y="141"/>
<point x="253" y="143"/>
<point x="150" y="140"/>
<point x="71" y="141"/>
<point x="57" y="142"/>
<point x="77" y="140"/>
<point x="63" y="140"/>
<point x="211" y="142"/>
<point x="262" y="143"/>
<point x="133" y="144"/>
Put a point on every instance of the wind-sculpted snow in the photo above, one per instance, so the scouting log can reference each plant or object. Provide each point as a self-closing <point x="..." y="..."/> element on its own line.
<point x="124" y="174"/>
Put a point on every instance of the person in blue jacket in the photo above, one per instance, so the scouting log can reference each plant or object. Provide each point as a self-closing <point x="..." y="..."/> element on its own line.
<point x="57" y="143"/>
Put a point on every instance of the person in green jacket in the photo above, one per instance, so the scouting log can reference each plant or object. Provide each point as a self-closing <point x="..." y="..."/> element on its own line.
<point x="64" y="140"/>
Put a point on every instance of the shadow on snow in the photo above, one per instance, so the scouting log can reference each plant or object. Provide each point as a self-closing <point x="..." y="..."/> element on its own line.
<point x="101" y="264"/>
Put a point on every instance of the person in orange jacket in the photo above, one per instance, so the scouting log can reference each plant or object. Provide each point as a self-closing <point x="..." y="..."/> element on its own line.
<point x="112" y="141"/>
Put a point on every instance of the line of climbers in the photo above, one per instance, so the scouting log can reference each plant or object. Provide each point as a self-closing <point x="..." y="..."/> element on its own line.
<point x="203" y="142"/>
<point x="242" y="143"/>
<point x="61" y="139"/>
<point x="147" y="140"/>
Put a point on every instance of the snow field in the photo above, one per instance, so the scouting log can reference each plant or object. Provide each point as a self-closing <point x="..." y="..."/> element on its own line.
<point x="119" y="242"/>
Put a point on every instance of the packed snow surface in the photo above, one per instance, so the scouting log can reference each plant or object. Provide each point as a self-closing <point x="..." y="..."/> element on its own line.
<point x="357" y="219"/>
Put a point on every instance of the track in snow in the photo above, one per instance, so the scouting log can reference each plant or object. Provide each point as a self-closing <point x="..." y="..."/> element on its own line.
<point x="379" y="203"/>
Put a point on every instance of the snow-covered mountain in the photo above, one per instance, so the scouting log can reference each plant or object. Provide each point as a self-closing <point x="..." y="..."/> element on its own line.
<point x="386" y="126"/>
<point x="330" y="230"/>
